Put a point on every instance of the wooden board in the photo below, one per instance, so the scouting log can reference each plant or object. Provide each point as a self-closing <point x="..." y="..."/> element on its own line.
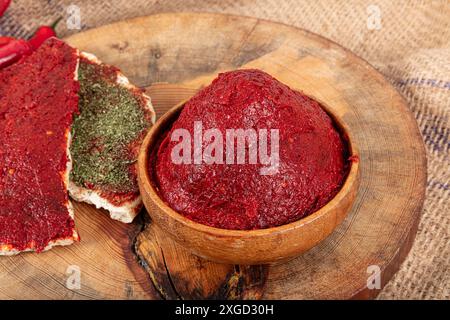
<point x="185" y="51"/>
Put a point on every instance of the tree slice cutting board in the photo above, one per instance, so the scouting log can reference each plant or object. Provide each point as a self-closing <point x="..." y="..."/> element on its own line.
<point x="173" y="55"/>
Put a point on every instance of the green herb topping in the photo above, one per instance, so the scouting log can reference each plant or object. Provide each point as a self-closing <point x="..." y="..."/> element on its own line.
<point x="111" y="119"/>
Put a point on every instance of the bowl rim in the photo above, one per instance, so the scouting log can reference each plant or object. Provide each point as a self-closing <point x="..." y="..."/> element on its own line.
<point x="350" y="180"/>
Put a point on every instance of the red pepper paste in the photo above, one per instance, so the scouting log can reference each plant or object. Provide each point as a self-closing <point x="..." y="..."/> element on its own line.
<point x="312" y="156"/>
<point x="38" y="97"/>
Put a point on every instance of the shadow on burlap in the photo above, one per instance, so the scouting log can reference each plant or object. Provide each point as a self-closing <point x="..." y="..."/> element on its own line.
<point x="410" y="46"/>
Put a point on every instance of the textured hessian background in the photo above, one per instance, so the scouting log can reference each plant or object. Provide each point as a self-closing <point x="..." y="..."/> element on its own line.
<point x="407" y="41"/>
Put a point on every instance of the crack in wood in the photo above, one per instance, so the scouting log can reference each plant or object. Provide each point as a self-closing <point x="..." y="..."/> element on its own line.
<point x="168" y="275"/>
<point x="143" y="223"/>
<point x="177" y="274"/>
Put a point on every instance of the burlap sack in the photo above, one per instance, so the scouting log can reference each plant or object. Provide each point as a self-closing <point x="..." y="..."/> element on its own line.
<point x="408" y="41"/>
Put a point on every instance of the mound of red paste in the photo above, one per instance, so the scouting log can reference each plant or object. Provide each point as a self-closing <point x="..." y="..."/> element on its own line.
<point x="312" y="156"/>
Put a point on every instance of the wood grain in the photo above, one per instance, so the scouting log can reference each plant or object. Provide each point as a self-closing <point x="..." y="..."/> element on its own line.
<point x="178" y="274"/>
<point x="189" y="50"/>
<point x="108" y="266"/>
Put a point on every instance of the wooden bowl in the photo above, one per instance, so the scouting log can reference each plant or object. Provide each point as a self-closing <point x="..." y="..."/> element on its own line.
<point x="249" y="247"/>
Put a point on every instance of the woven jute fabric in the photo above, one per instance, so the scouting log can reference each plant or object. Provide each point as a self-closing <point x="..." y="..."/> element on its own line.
<point x="407" y="41"/>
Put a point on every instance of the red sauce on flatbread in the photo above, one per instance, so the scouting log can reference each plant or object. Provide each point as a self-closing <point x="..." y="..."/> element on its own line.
<point x="313" y="156"/>
<point x="38" y="97"/>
